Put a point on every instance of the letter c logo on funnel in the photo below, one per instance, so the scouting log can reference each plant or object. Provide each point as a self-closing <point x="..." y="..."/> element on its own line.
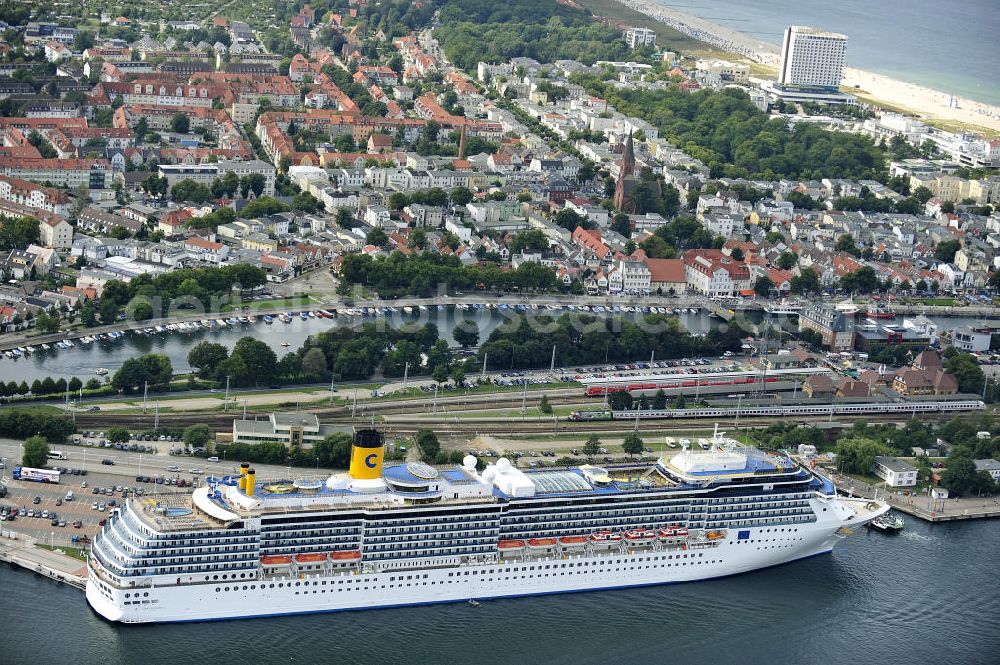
<point x="370" y="461"/>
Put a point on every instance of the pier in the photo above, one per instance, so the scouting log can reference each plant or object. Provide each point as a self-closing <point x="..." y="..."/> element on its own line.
<point x="20" y="550"/>
<point x="921" y="505"/>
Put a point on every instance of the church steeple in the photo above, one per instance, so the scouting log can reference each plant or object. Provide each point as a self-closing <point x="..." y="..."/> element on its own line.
<point x="628" y="158"/>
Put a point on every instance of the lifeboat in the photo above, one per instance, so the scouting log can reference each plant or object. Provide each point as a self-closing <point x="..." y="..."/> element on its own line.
<point x="640" y="535"/>
<point x="667" y="533"/>
<point x="715" y="535"/>
<point x="601" y="536"/>
<point x="275" y="560"/>
<point x="345" y="555"/>
<point x="573" y="541"/>
<point x="316" y="557"/>
<point x="682" y="532"/>
<point x="507" y="545"/>
<point x="541" y="542"/>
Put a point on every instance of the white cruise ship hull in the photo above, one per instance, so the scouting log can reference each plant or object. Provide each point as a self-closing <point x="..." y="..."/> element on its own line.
<point x="512" y="577"/>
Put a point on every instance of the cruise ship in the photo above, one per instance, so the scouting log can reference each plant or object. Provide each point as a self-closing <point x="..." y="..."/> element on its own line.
<point x="410" y="534"/>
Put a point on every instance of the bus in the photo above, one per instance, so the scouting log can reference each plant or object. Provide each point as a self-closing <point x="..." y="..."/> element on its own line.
<point x="55" y="454"/>
<point x="35" y="475"/>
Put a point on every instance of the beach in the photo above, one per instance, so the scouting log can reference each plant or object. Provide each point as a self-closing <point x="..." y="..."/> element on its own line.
<point x="922" y="101"/>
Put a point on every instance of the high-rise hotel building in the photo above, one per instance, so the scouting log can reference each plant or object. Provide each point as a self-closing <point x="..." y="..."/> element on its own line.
<point x="812" y="58"/>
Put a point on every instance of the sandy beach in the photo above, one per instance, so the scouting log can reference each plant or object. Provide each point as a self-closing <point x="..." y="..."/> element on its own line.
<point x="920" y="100"/>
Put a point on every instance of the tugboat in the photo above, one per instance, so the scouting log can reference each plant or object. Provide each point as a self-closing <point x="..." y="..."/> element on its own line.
<point x="887" y="523"/>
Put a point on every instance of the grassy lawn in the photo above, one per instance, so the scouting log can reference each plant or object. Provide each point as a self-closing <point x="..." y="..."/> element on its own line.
<point x="940" y="302"/>
<point x="75" y="552"/>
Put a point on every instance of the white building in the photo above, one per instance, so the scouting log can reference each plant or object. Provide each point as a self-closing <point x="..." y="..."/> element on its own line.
<point x="812" y="58"/>
<point x="377" y="215"/>
<point x="990" y="466"/>
<point x="971" y="340"/>
<point x="56" y="233"/>
<point x="894" y="472"/>
<point x="636" y="37"/>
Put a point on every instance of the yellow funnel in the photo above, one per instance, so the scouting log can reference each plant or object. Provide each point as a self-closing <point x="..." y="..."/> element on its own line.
<point x="251" y="474"/>
<point x="367" y="454"/>
<point x="243" y="476"/>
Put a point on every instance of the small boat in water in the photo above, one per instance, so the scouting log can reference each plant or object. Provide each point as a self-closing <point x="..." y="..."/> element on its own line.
<point x="887" y="523"/>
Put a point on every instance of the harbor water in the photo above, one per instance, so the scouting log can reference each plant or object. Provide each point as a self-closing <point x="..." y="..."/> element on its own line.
<point x="83" y="360"/>
<point x="929" y="594"/>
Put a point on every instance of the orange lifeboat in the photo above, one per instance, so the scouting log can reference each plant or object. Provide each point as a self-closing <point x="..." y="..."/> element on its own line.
<point x="345" y="555"/>
<point x="715" y="535"/>
<point x="573" y="540"/>
<point x="542" y="542"/>
<point x="275" y="560"/>
<point x="310" y="558"/>
<point x="640" y="535"/>
<point x="510" y="544"/>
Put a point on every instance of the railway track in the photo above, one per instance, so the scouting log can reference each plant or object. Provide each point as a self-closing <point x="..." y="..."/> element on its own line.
<point x="446" y="424"/>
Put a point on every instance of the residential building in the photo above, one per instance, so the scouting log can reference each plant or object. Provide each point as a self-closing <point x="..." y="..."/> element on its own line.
<point x="895" y="473"/>
<point x="666" y="276"/>
<point x="836" y="329"/>
<point x="56" y="232"/>
<point x="637" y="37"/>
<point x="990" y="466"/>
<point x="712" y="273"/>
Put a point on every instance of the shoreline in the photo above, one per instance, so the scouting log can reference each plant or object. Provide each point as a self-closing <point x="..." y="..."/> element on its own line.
<point x="926" y="103"/>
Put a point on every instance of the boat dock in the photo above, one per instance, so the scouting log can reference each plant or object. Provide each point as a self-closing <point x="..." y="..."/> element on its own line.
<point x="921" y="505"/>
<point x="19" y="550"/>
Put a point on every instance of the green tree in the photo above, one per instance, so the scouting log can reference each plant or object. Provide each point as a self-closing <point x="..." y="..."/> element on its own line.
<point x="428" y="445"/>
<point x="206" y="356"/>
<point x="633" y="444"/>
<point x="763" y="285"/>
<point x="807" y="282"/>
<point x="787" y="260"/>
<point x="845" y="243"/>
<point x="46" y="323"/>
<point x="659" y="400"/>
<point x="334" y="451"/>
<point x="466" y="334"/>
<point x="592" y="446"/>
<point x="180" y="123"/>
<point x="314" y="363"/>
<point x="857" y="454"/>
<point x="967" y="372"/>
<point x="544" y="406"/>
<point x="945" y="251"/>
<point x="197" y="436"/>
<point x="258" y="357"/>
<point x="35" y="452"/>
<point x="118" y="434"/>
<point x="620" y="401"/>
<point x="134" y="373"/>
<point x="440" y="374"/>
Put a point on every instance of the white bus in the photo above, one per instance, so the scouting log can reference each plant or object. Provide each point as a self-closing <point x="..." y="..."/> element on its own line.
<point x="36" y="475"/>
<point x="55" y="454"/>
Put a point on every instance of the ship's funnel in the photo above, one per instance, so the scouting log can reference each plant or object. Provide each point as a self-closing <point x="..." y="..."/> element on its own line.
<point x="367" y="453"/>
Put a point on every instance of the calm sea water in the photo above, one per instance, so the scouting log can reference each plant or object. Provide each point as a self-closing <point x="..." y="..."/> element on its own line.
<point x="949" y="46"/>
<point x="928" y="595"/>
